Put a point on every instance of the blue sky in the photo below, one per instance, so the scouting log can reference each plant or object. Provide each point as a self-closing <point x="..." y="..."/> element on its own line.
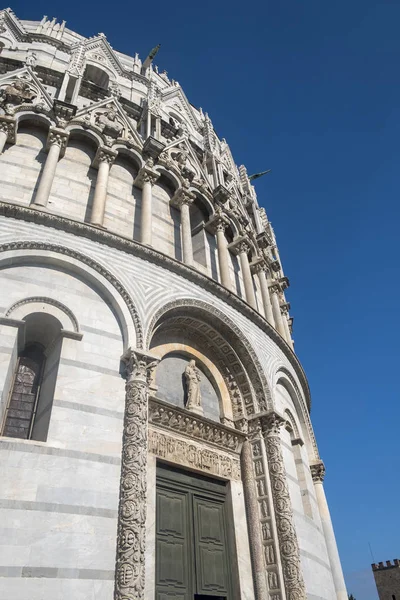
<point x="311" y="90"/>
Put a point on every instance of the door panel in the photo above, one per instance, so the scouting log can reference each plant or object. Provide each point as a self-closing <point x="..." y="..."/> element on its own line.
<point x="191" y="537"/>
<point x="210" y="547"/>
<point x="173" y="569"/>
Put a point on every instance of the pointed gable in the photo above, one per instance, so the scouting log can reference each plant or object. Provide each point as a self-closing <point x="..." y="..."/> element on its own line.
<point x="33" y="85"/>
<point x="108" y="118"/>
<point x="11" y="27"/>
<point x="99" y="51"/>
<point x="175" y="99"/>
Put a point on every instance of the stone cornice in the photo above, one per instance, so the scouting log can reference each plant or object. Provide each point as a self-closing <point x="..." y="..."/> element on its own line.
<point x="185" y="422"/>
<point x="158" y="258"/>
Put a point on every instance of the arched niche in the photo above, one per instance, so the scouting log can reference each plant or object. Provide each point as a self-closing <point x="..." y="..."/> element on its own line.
<point x="166" y="218"/>
<point x="75" y="178"/>
<point x="287" y="396"/>
<point x="97" y="76"/>
<point x="106" y="285"/>
<point x="203" y="327"/>
<point x="21" y="163"/>
<point x="123" y="206"/>
<point x="34" y="375"/>
<point x="203" y="242"/>
<point x="170" y="384"/>
<point x="44" y="305"/>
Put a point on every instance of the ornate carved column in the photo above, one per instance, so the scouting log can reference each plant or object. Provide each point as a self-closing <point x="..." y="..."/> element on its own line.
<point x="182" y="199"/>
<point x="217" y="226"/>
<point x="253" y="522"/>
<point x="318" y="474"/>
<point x="276" y="309"/>
<point x="8" y="127"/>
<point x="241" y="247"/>
<point x="260" y="267"/>
<point x="145" y="180"/>
<point x="56" y="144"/>
<point x="103" y="160"/>
<point x="130" y="559"/>
<point x="288" y="544"/>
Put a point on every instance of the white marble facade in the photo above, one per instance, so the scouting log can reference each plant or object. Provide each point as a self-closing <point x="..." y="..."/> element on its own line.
<point x="131" y="244"/>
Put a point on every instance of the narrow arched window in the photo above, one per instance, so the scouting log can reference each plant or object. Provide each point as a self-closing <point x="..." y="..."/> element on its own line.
<point x="22" y="406"/>
<point x="31" y="396"/>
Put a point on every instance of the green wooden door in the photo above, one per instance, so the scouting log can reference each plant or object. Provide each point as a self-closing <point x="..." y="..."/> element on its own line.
<point x="192" y="553"/>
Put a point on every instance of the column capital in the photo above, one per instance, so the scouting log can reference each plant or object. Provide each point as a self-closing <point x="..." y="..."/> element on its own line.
<point x="259" y="264"/>
<point x="138" y="364"/>
<point x="285" y="307"/>
<point x="240" y="245"/>
<point x="284" y="281"/>
<point x="276" y="265"/>
<point x="221" y="194"/>
<point x="318" y="471"/>
<point x="264" y="240"/>
<point x="57" y="137"/>
<point x="9" y="126"/>
<point x="271" y="423"/>
<point x="274" y="287"/>
<point x="181" y="197"/>
<point x="218" y="222"/>
<point x="104" y="154"/>
<point x="146" y="175"/>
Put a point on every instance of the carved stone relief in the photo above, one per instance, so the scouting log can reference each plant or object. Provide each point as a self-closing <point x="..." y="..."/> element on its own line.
<point x="190" y="454"/>
<point x="268" y="532"/>
<point x="288" y="544"/>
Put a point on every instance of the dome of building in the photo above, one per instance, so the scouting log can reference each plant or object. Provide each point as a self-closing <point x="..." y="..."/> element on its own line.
<point x="155" y="433"/>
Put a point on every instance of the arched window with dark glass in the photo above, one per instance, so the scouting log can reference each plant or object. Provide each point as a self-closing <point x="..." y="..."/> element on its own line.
<point x="31" y="396"/>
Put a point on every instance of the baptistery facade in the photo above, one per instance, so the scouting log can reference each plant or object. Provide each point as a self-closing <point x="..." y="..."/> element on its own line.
<point x="155" y="434"/>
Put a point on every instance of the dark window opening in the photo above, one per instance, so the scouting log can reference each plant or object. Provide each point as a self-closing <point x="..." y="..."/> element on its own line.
<point x="31" y="394"/>
<point x="22" y="407"/>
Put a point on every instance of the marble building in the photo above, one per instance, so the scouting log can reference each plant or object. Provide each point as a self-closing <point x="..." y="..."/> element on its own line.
<point x="155" y="433"/>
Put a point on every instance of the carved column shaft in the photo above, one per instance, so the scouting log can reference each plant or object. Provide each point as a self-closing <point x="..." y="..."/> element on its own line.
<point x="318" y="474"/>
<point x="182" y="199"/>
<point x="56" y="143"/>
<point x="145" y="179"/>
<point x="253" y="522"/>
<point x="187" y="247"/>
<point x="288" y="336"/>
<point x="130" y="559"/>
<point x="223" y="256"/>
<point x="260" y="268"/>
<point x="288" y="544"/>
<point x="276" y="310"/>
<point x="146" y="216"/>
<point x="247" y="277"/>
<point x="104" y="159"/>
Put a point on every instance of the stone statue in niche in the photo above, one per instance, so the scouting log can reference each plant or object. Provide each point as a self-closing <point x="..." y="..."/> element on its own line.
<point x="193" y="378"/>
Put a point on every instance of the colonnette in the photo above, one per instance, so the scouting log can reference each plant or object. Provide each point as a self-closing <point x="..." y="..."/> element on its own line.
<point x="156" y="438"/>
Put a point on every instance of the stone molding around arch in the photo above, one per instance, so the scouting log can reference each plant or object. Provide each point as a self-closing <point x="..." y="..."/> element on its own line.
<point x="45" y="300"/>
<point x="285" y="378"/>
<point x="158" y="258"/>
<point x="63" y="250"/>
<point x="209" y="313"/>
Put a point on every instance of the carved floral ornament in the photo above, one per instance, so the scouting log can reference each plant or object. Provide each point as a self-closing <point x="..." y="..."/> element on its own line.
<point x="287" y="537"/>
<point x="131" y="536"/>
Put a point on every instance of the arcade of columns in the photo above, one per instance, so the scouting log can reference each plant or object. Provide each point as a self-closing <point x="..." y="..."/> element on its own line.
<point x="276" y="312"/>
